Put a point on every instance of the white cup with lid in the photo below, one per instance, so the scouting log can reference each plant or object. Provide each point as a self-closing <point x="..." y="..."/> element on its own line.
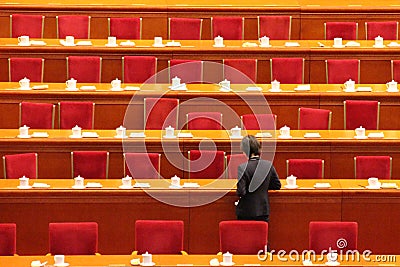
<point x="59" y="260"/>
<point x="71" y="84"/>
<point x="391" y="86"/>
<point x="175" y="181"/>
<point x="374" y="182"/>
<point x="77" y="131"/>
<point x="120" y="132"/>
<point x="218" y="41"/>
<point x="24" y="131"/>
<point x="23" y="40"/>
<point x="116" y="84"/>
<point x="24" y="84"/>
<point x="291" y="181"/>
<point x="24" y="181"/>
<point x="175" y="82"/>
<point x="264" y="41"/>
<point x="69" y="40"/>
<point x="337" y="42"/>
<point x="236" y="131"/>
<point x="112" y="41"/>
<point x="350" y="85"/>
<point x="225" y="84"/>
<point x="147" y="259"/>
<point x="360" y="132"/>
<point x="284" y="131"/>
<point x="169" y="131"/>
<point x="275" y="85"/>
<point x="378" y="41"/>
<point x="127" y="181"/>
<point x="79" y="181"/>
<point x="227" y="258"/>
<point x="157" y="41"/>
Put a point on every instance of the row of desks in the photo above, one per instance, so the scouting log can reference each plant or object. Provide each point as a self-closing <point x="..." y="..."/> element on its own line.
<point x="337" y="148"/>
<point x="201" y="209"/>
<point x="375" y="62"/>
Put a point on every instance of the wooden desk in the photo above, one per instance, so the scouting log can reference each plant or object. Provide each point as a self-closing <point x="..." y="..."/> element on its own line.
<point x="116" y="210"/>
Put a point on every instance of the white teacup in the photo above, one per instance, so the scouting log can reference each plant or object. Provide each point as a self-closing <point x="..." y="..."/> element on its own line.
<point x="291" y="180"/>
<point x="175" y="181"/>
<point x="391" y="86"/>
<point x="337" y="42"/>
<point x="36" y="264"/>
<point x="158" y="41"/>
<point x="360" y="131"/>
<point x="79" y="181"/>
<point x="116" y="84"/>
<point x="236" y="132"/>
<point x="227" y="258"/>
<point x="285" y="131"/>
<point x="23" y="40"/>
<point x="24" y="130"/>
<point x="350" y="85"/>
<point x="332" y="256"/>
<point x="147" y="258"/>
<point x="175" y="81"/>
<point x="77" y="131"/>
<point x="127" y="181"/>
<point x="264" y="41"/>
<point x="24" y="83"/>
<point x="24" y="181"/>
<point x="169" y="131"/>
<point x="69" y="40"/>
<point x="225" y="84"/>
<point x="71" y="84"/>
<point x="112" y="41"/>
<point x="378" y="41"/>
<point x="218" y="41"/>
<point x="275" y="85"/>
<point x="120" y="131"/>
<point x="373" y="182"/>
<point x="59" y="259"/>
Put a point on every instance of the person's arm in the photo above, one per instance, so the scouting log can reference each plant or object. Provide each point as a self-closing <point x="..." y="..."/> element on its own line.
<point x="241" y="184"/>
<point x="275" y="183"/>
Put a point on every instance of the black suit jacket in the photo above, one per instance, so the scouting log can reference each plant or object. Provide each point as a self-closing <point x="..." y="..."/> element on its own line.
<point x="255" y="178"/>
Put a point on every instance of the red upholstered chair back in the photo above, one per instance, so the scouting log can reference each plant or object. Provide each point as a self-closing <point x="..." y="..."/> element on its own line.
<point x="31" y="68"/>
<point x="36" y="115"/>
<point x="287" y="70"/>
<point x="160" y="113"/>
<point x="73" y="25"/>
<point x="74" y="238"/>
<point x="189" y="71"/>
<point x="341" y="70"/>
<point x="206" y="164"/>
<point x="84" y="69"/>
<point x="18" y="165"/>
<point x="139" y="69"/>
<point x="259" y="121"/>
<point x="243" y="237"/>
<point x="125" y="28"/>
<point x="395" y="66"/>
<point x="76" y="113"/>
<point x="305" y="168"/>
<point x="344" y="30"/>
<point x="230" y="28"/>
<point x="90" y="164"/>
<point x="232" y="163"/>
<point x="363" y="113"/>
<point x="159" y="237"/>
<point x="330" y="235"/>
<point x="184" y="28"/>
<point x="275" y="27"/>
<point x="373" y="166"/>
<point x="240" y="70"/>
<point x="142" y="165"/>
<point x="22" y="24"/>
<point x="314" y="119"/>
<point x="8" y="240"/>
<point x="204" y="121"/>
<point x="388" y="30"/>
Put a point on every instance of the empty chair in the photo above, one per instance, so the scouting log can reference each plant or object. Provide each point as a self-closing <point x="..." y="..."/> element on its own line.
<point x="125" y="28"/>
<point x="73" y="238"/>
<point x="84" y="69"/>
<point x="258" y="121"/>
<point x="204" y="121"/>
<point x="159" y="236"/>
<point x="76" y="113"/>
<point x="243" y="237"/>
<point x="373" y="166"/>
<point x="341" y="70"/>
<point x="73" y="25"/>
<point x="17" y="165"/>
<point x="314" y="119"/>
<point x="344" y="30"/>
<point x="36" y="115"/>
<point x="230" y="28"/>
<point x="8" y="239"/>
<point x="160" y="113"/>
<point x="206" y="164"/>
<point x="23" y="24"/>
<point x="139" y="69"/>
<point x="232" y="163"/>
<point x="363" y="113"/>
<point x="184" y="28"/>
<point x="325" y="236"/>
<point x="142" y="165"/>
<point x="189" y="71"/>
<point x="240" y="70"/>
<point x="395" y="68"/>
<point x="388" y="30"/>
<point x="90" y="164"/>
<point x="275" y="27"/>
<point x="31" y="68"/>
<point x="280" y="67"/>
<point x="305" y="168"/>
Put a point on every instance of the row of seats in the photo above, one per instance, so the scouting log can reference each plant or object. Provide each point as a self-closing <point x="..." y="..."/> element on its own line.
<point x="140" y="69"/>
<point x="202" y="164"/>
<point x="231" y="28"/>
<point x="167" y="237"/>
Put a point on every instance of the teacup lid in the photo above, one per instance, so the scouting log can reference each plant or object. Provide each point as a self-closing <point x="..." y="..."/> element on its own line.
<point x="76" y="127"/>
<point x="291" y="177"/>
<point x="116" y="79"/>
<point x="127" y="177"/>
<point x="146" y="254"/>
<point x="218" y="37"/>
<point x="378" y="37"/>
<point x="121" y="127"/>
<point x="275" y="81"/>
<point x="24" y="127"/>
<point x="175" y="176"/>
<point x="169" y="127"/>
<point x="79" y="177"/>
<point x="285" y="127"/>
<point x="24" y="178"/>
<point x="236" y="128"/>
<point x="25" y="79"/>
<point x="72" y="79"/>
<point x="227" y="254"/>
<point x="360" y="127"/>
